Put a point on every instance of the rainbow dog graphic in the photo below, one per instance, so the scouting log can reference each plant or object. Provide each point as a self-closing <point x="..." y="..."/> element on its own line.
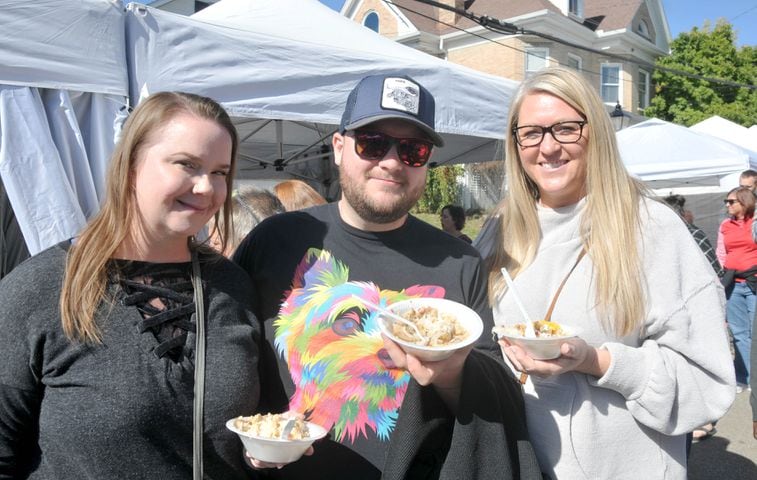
<point x="342" y="374"/>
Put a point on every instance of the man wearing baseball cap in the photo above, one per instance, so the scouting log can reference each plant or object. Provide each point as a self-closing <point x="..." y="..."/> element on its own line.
<point x="389" y="413"/>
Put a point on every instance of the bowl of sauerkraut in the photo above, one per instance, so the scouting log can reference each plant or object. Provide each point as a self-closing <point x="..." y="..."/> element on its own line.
<point x="545" y="345"/>
<point x="447" y="326"/>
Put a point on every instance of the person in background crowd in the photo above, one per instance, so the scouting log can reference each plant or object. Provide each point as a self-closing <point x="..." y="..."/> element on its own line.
<point x="296" y="195"/>
<point x="677" y="203"/>
<point x="753" y="384"/>
<point x="391" y="415"/>
<point x="98" y="351"/>
<point x="453" y="222"/>
<point x="737" y="252"/>
<point x="748" y="179"/>
<point x="249" y="206"/>
<point x="651" y="362"/>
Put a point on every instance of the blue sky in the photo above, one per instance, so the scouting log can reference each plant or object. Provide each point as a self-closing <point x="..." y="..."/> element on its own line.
<point x="742" y="14"/>
<point x="685" y="14"/>
<point x="335" y="4"/>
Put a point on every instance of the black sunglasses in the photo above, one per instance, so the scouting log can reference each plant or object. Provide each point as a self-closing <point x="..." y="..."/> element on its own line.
<point x="730" y="201"/>
<point x="413" y="152"/>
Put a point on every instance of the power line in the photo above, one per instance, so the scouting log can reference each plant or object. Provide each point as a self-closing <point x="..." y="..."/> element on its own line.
<point x="743" y="13"/>
<point x="473" y="34"/>
<point x="486" y="38"/>
<point x="499" y="26"/>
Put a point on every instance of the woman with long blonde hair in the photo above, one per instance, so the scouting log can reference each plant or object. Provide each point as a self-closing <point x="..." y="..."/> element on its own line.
<point x="651" y="361"/>
<point x="103" y="338"/>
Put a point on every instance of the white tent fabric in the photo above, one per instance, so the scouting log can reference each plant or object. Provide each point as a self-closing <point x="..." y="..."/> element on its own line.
<point x="63" y="45"/>
<point x="62" y="84"/>
<point x="665" y="155"/>
<point x="728" y="130"/>
<point x="68" y="68"/>
<point x="284" y="69"/>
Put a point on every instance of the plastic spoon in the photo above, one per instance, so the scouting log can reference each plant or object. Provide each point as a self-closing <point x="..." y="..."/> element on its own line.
<point x="288" y="427"/>
<point x="394" y="317"/>
<point x="530" y="333"/>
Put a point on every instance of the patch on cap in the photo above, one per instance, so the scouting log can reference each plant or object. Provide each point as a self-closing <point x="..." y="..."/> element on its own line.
<point x="401" y="94"/>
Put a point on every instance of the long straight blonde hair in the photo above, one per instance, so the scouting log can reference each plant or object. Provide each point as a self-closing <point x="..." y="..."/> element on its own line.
<point x="610" y="223"/>
<point x="86" y="276"/>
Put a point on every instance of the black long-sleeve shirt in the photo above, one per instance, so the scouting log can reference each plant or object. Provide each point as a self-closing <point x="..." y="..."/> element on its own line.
<point x="123" y="408"/>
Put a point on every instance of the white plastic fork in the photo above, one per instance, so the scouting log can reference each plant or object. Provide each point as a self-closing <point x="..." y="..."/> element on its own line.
<point x="394" y="317"/>
<point x="530" y="333"/>
<point x="288" y="427"/>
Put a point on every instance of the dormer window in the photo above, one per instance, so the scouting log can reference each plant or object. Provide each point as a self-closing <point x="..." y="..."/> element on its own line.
<point x="643" y="29"/>
<point x="576" y="7"/>
<point x="372" y="21"/>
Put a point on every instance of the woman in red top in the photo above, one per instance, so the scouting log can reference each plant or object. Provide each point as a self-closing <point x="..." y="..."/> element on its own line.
<point x="738" y="254"/>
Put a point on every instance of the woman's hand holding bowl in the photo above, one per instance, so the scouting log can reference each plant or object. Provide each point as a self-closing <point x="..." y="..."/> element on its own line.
<point x="575" y="355"/>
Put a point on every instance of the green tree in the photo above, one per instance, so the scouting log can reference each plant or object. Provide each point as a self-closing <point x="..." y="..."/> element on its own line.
<point x="709" y="52"/>
<point x="441" y="189"/>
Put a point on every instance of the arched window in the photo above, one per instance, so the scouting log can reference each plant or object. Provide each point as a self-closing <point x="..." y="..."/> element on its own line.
<point x="372" y="21"/>
<point x="643" y="28"/>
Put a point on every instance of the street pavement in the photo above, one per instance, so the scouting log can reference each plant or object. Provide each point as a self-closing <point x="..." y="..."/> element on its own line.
<point x="731" y="453"/>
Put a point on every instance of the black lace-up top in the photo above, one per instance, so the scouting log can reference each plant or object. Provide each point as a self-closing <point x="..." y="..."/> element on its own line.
<point x="164" y="296"/>
<point x="73" y="405"/>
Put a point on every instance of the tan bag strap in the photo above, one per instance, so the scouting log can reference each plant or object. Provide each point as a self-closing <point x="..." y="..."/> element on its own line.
<point x="524" y="376"/>
<point x="548" y="316"/>
<point x="199" y="390"/>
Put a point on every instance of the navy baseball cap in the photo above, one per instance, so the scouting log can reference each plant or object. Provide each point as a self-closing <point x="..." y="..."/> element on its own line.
<point x="380" y="97"/>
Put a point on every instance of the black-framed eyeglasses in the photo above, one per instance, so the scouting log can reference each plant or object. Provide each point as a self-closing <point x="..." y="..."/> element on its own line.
<point x="730" y="201"/>
<point x="413" y="152"/>
<point x="562" y="132"/>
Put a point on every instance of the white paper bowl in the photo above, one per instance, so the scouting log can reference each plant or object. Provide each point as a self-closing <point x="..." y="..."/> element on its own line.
<point x="276" y="450"/>
<point x="540" y="348"/>
<point x="467" y="317"/>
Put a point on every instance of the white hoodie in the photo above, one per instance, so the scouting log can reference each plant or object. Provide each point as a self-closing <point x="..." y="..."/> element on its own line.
<point x="662" y="383"/>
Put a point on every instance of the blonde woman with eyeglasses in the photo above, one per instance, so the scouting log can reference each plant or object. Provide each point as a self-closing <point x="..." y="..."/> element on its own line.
<point x="651" y="362"/>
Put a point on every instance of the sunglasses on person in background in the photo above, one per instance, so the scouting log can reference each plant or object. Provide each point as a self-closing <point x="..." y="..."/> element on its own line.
<point x="413" y="152"/>
<point x="730" y="201"/>
<point x="562" y="132"/>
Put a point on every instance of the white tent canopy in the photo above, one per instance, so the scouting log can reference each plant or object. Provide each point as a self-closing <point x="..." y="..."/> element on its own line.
<point x="69" y="69"/>
<point x="63" y="45"/>
<point x="284" y="69"/>
<point x="665" y="155"/>
<point x="728" y="130"/>
<point x="671" y="158"/>
<point x="62" y="83"/>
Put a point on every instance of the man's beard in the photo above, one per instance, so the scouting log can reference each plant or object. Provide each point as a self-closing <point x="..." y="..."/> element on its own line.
<point x="369" y="212"/>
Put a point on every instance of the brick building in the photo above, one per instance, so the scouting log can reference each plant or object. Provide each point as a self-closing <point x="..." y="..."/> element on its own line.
<point x="588" y="32"/>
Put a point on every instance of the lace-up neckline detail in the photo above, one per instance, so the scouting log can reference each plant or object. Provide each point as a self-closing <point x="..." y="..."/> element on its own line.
<point x="163" y="294"/>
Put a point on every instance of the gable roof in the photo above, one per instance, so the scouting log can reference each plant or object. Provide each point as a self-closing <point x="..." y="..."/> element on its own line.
<point x="612" y="14"/>
<point x="420" y="19"/>
<point x="604" y="15"/>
